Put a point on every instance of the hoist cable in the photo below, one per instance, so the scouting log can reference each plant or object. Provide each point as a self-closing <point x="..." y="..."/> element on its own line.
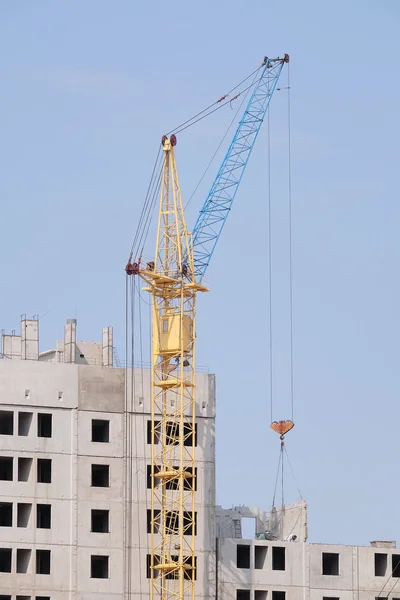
<point x="270" y="264"/>
<point x="277" y="476"/>
<point x="293" y="475"/>
<point x="146" y="203"/>
<point x="290" y="248"/>
<point x="151" y="203"/>
<point x="179" y="127"/>
<point x="218" y="148"/>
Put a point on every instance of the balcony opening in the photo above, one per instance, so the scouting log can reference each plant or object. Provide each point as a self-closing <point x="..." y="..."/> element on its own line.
<point x="278" y="595"/>
<point x="260" y="556"/>
<point x="380" y="564"/>
<point x="100" y="475"/>
<point x="278" y="558"/>
<point x="43" y="558"/>
<point x="395" y="565"/>
<point x="44" y="470"/>
<point x="99" y="567"/>
<point x="100" y="431"/>
<point x="43" y="516"/>
<point x="19" y="597"/>
<point x="24" y="468"/>
<point x="24" y="423"/>
<point x="23" y="514"/>
<point x="6" y="422"/>
<point x="42" y="598"/>
<point x="260" y="595"/>
<point x="45" y="425"/>
<point x="100" y="521"/>
<point x="330" y="563"/>
<point x="23" y="560"/>
<point x="243" y="557"/>
<point x="242" y="594"/>
<point x="6" y="514"/>
<point x="6" y="468"/>
<point x="5" y="560"/>
<point x="5" y="597"/>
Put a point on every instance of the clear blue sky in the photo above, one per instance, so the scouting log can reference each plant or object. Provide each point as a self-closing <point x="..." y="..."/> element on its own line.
<point x="87" y="89"/>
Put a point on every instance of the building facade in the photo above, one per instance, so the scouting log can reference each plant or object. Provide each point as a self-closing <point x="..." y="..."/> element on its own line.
<point x="75" y="472"/>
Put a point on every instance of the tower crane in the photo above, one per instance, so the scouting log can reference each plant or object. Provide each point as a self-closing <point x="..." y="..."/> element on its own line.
<point x="174" y="278"/>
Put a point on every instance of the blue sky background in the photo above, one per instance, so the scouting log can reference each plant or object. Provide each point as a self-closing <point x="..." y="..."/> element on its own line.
<point x="88" y="88"/>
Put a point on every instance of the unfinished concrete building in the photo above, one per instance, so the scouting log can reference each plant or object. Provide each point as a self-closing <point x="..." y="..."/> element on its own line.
<point x="75" y="471"/>
<point x="75" y="489"/>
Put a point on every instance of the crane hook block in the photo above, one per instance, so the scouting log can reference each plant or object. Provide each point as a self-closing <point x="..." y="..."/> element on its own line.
<point x="282" y="427"/>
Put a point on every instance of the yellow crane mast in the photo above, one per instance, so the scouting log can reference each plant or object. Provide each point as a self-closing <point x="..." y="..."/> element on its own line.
<point x="171" y="283"/>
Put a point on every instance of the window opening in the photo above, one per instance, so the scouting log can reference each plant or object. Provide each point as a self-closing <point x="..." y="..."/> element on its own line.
<point x="6" y="468"/>
<point x="43" y="559"/>
<point x="6" y="514"/>
<point x="330" y="563"/>
<point x="23" y="560"/>
<point x="100" y="475"/>
<point x="156" y="521"/>
<point x="278" y="595"/>
<point x="380" y="564"/>
<point x="260" y="556"/>
<point x="157" y="432"/>
<point x="24" y="468"/>
<point x="24" y="423"/>
<point x="44" y="425"/>
<point x="23" y="514"/>
<point x="6" y="422"/>
<point x="43" y="516"/>
<point x="5" y="560"/>
<point x="44" y="470"/>
<point x="99" y="567"/>
<point x="260" y="595"/>
<point x="278" y="558"/>
<point x="242" y="594"/>
<point x="100" y="521"/>
<point x="243" y="557"/>
<point x="148" y="565"/>
<point x="100" y="430"/>
<point x="188" y="434"/>
<point x="395" y="565"/>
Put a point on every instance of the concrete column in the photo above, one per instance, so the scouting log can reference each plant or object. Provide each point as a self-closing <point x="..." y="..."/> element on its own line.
<point x="70" y="341"/>
<point x="107" y="346"/>
<point x="29" y="339"/>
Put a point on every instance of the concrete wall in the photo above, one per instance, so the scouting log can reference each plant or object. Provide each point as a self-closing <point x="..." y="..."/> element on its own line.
<point x="75" y="394"/>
